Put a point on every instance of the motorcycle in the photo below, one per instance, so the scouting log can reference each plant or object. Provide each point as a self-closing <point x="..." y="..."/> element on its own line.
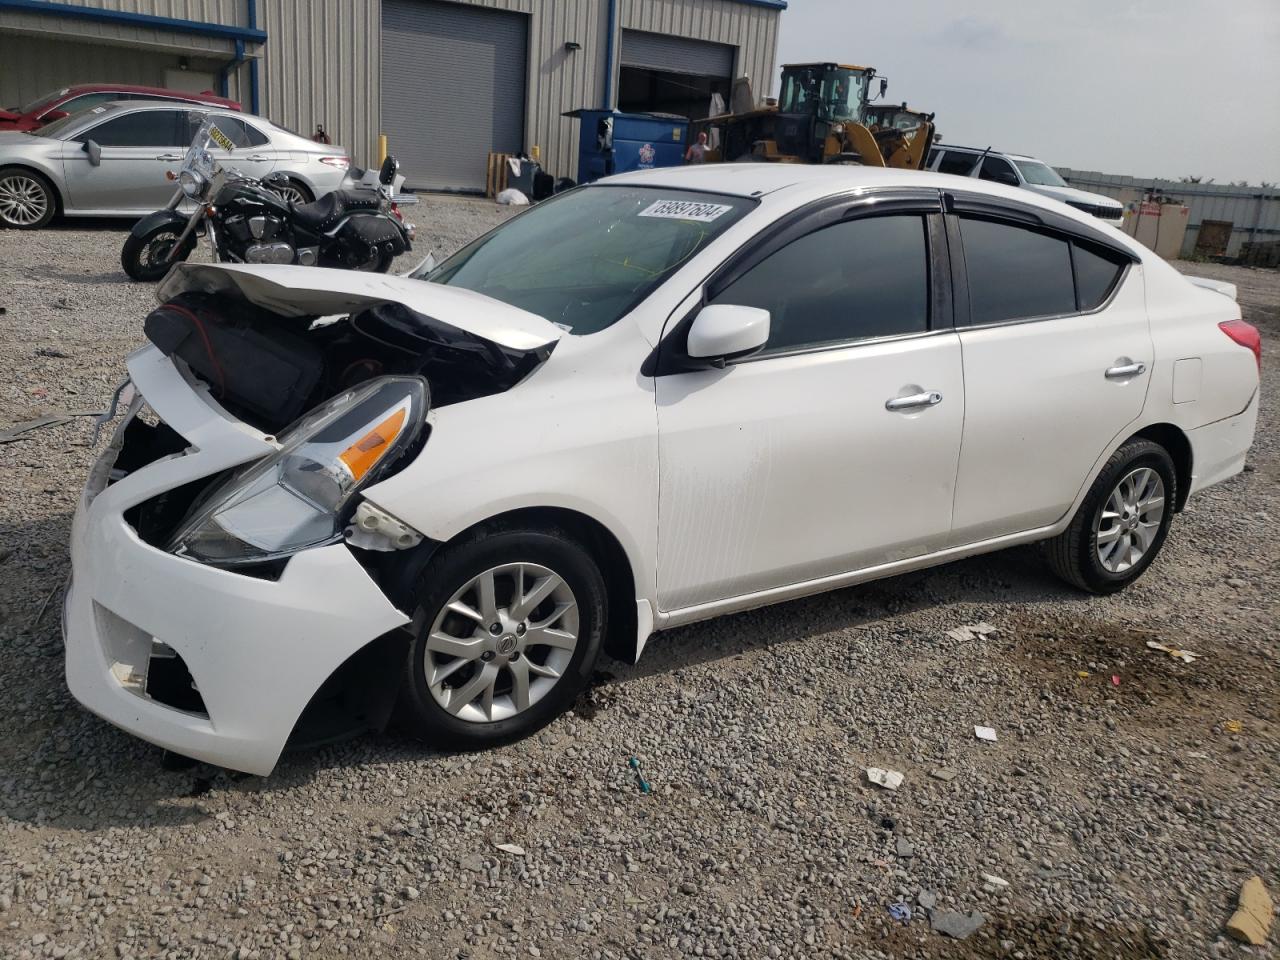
<point x="247" y="221"/>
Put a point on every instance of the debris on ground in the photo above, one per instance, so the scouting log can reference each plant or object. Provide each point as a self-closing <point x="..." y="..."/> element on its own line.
<point x="641" y="782"/>
<point x="1251" y="922"/>
<point x="48" y="420"/>
<point x="954" y="924"/>
<point x="513" y="198"/>
<point x="985" y="733"/>
<point x="512" y="848"/>
<point x="52" y="353"/>
<point x="993" y="881"/>
<point x="927" y="899"/>
<point x="1115" y="679"/>
<point x="904" y="848"/>
<point x="1186" y="656"/>
<point x="1233" y="726"/>
<point x="900" y="911"/>
<point x="945" y="774"/>
<point x="971" y="631"/>
<point x="889" y="779"/>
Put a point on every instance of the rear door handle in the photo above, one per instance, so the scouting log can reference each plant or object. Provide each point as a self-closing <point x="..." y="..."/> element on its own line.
<point x="258" y="158"/>
<point x="171" y="157"/>
<point x="1123" y="370"/>
<point x="930" y="398"/>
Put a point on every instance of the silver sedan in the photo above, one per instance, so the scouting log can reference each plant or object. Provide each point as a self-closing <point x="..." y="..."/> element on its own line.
<point x="111" y="160"/>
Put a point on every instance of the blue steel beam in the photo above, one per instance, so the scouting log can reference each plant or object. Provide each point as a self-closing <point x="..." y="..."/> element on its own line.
<point x="75" y="12"/>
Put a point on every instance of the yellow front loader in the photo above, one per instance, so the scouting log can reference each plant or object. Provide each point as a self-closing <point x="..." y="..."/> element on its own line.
<point x="821" y="117"/>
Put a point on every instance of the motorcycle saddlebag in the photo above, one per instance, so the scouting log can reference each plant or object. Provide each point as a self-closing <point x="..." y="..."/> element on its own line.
<point x="232" y="346"/>
<point x="376" y="231"/>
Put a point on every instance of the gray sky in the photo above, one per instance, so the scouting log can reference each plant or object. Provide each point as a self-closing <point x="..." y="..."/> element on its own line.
<point x="1150" y="88"/>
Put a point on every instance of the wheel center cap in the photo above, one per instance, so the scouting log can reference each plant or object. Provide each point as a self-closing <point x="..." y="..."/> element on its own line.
<point x="507" y="644"/>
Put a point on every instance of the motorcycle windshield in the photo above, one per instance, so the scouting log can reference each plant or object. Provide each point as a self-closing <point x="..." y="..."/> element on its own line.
<point x="200" y="159"/>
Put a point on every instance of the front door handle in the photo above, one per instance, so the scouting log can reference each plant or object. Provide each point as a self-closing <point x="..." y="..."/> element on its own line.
<point x="1127" y="369"/>
<point x="170" y="157"/>
<point x="930" y="398"/>
<point x="258" y="158"/>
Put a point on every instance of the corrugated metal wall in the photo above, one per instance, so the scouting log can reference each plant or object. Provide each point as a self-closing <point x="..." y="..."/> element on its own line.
<point x="751" y="28"/>
<point x="35" y="65"/>
<point x="208" y="11"/>
<point x="320" y="64"/>
<point x="1253" y="212"/>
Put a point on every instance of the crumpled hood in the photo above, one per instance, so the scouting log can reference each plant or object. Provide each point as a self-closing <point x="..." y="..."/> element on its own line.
<point x="1072" y="195"/>
<point x="296" y="291"/>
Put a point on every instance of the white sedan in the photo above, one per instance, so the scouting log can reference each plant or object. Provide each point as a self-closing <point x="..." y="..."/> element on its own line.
<point x="653" y="400"/>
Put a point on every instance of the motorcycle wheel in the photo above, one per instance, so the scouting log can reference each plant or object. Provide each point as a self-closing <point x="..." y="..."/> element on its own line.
<point x="148" y="256"/>
<point x="379" y="262"/>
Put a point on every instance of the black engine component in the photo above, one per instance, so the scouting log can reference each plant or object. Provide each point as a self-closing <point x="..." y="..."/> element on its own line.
<point x="242" y="352"/>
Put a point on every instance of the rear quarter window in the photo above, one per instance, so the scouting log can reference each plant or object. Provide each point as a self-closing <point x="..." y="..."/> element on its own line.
<point x="1097" y="273"/>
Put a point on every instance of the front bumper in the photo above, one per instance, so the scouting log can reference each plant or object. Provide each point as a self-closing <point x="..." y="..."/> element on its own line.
<point x="257" y="650"/>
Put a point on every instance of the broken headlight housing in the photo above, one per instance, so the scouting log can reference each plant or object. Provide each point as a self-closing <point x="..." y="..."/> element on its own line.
<point x="298" y="497"/>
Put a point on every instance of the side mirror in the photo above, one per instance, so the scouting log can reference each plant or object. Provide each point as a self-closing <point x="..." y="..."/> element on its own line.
<point x="723" y="331"/>
<point x="53" y="115"/>
<point x="94" y="151"/>
<point x="884" y="85"/>
<point x="387" y="172"/>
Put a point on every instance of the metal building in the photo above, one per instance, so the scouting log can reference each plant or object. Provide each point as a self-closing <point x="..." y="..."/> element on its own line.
<point x="1224" y="221"/>
<point x="447" y="81"/>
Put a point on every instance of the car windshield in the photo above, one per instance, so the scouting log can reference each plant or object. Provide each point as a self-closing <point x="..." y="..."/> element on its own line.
<point x="44" y="101"/>
<point x="53" y="130"/>
<point x="1041" y="174"/>
<point x="584" y="259"/>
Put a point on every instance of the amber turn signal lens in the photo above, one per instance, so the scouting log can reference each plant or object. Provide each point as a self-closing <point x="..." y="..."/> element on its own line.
<point x="368" y="450"/>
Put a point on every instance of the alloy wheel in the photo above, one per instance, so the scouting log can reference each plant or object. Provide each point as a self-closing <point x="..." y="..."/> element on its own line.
<point x="23" y="200"/>
<point x="291" y="193"/>
<point x="1129" y="520"/>
<point x="158" y="250"/>
<point x="502" y="642"/>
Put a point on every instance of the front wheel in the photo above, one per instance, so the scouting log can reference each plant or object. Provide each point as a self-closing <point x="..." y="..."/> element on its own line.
<point x="509" y="626"/>
<point x="147" y="256"/>
<point x="1122" y="523"/>
<point x="27" y="199"/>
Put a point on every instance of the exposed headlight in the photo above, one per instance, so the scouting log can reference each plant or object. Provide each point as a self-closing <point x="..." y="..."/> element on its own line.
<point x="298" y="496"/>
<point x="192" y="183"/>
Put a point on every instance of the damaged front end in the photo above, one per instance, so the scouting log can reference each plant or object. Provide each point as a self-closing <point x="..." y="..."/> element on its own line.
<point x="222" y="540"/>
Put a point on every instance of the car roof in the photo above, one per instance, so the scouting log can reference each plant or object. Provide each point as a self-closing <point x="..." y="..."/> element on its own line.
<point x="210" y="97"/>
<point x="1000" y="153"/>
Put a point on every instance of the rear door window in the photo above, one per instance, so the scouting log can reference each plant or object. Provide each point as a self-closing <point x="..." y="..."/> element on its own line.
<point x="853" y="280"/>
<point x="145" y="128"/>
<point x="957" y="163"/>
<point x="1015" y="273"/>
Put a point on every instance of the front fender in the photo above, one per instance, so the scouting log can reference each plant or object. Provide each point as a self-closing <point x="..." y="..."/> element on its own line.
<point x="161" y="218"/>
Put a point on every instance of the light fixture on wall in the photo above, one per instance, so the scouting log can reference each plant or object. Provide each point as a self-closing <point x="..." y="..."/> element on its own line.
<point x="572" y="45"/>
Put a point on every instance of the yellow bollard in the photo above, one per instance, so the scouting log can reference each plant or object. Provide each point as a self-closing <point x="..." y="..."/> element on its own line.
<point x="535" y="154"/>
<point x="382" y="148"/>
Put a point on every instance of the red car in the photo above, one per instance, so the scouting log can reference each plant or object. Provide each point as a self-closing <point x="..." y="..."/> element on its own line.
<point x="60" y="103"/>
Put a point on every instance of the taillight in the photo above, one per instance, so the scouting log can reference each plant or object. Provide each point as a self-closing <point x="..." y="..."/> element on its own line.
<point x="395" y="208"/>
<point x="1245" y="334"/>
<point x="341" y="162"/>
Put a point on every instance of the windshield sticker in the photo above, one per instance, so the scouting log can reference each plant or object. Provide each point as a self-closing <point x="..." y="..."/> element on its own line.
<point x="221" y="139"/>
<point x="685" y="210"/>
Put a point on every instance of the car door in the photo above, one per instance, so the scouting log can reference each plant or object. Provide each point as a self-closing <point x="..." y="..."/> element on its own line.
<point x="835" y="447"/>
<point x="1057" y="348"/>
<point x="138" y="148"/>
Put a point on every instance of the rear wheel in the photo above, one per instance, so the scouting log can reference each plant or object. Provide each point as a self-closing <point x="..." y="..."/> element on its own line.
<point x="1122" y="523"/>
<point x="147" y="256"/>
<point x="27" y="200"/>
<point x="294" y="192"/>
<point x="509" y="626"/>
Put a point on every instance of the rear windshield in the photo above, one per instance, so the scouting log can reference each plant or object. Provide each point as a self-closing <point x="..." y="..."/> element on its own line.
<point x="585" y="258"/>
<point x="44" y="101"/>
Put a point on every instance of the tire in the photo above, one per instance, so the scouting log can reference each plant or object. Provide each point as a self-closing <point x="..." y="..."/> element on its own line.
<point x="296" y="193"/>
<point x="456" y="714"/>
<point x="1079" y="557"/>
<point x="27" y="199"/>
<point x="139" y="255"/>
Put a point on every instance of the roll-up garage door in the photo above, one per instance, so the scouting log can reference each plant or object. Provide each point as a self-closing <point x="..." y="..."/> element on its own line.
<point x="453" y="89"/>
<point x="656" y="51"/>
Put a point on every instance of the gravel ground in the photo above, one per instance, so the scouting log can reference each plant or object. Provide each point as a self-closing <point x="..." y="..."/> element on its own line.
<point x="1123" y="818"/>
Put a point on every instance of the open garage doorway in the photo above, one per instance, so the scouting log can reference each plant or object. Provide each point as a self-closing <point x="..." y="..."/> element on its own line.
<point x="661" y="74"/>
